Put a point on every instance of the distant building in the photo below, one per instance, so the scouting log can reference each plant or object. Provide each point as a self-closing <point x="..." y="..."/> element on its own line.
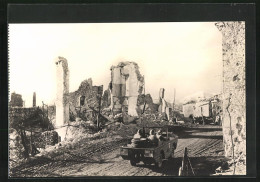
<point x="204" y="107"/>
<point x="16" y="100"/>
<point x="188" y="109"/>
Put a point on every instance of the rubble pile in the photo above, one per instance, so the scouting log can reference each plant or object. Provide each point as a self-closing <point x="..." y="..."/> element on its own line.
<point x="230" y="168"/>
<point x="50" y="137"/>
<point x="15" y="149"/>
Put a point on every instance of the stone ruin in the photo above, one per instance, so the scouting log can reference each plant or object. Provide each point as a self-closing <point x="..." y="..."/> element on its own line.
<point x="62" y="80"/>
<point x="234" y="101"/>
<point x="86" y="96"/>
<point x="124" y="95"/>
<point x="126" y="85"/>
<point x="164" y="106"/>
<point x="145" y="103"/>
<point x="16" y="100"/>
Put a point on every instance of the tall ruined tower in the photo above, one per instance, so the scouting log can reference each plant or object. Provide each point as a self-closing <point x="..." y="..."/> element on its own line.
<point x="126" y="86"/>
<point x="62" y="80"/>
<point x="34" y="99"/>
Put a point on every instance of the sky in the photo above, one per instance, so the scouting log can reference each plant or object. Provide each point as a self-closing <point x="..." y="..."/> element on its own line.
<point x="185" y="56"/>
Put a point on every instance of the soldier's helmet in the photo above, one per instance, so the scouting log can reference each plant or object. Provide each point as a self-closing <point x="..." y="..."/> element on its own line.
<point x="159" y="132"/>
<point x="152" y="132"/>
<point x="139" y="132"/>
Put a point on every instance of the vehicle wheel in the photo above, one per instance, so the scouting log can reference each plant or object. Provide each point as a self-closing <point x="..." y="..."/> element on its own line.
<point x="159" y="163"/>
<point x="133" y="163"/>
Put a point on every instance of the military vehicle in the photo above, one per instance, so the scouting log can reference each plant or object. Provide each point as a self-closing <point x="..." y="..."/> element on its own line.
<point x="148" y="151"/>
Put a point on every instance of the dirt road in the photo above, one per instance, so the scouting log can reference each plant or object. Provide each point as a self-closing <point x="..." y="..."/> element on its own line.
<point x="204" y="143"/>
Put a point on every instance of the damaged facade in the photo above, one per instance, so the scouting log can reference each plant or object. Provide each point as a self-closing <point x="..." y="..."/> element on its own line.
<point x="234" y="101"/>
<point x="126" y="86"/>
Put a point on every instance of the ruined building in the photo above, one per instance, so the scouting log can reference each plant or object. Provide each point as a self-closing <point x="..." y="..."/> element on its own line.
<point x="16" y="100"/>
<point x="126" y="86"/>
<point x="106" y="98"/>
<point x="234" y="101"/>
<point x="85" y="97"/>
<point x="164" y="106"/>
<point x="62" y="80"/>
<point x="145" y="103"/>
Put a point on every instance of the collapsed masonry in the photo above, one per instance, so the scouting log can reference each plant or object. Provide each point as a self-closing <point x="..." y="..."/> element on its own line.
<point x="126" y="85"/>
<point x="234" y="101"/>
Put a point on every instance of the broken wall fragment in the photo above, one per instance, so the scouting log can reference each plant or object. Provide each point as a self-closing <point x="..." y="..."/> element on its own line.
<point x="127" y="85"/>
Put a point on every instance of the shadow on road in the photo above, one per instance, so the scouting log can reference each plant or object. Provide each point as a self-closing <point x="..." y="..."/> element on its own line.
<point x="203" y="136"/>
<point x="202" y="166"/>
<point x="199" y="132"/>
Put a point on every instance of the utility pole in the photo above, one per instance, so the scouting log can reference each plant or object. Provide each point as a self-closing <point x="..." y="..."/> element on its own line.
<point x="173" y="105"/>
<point x="144" y="97"/>
<point x="99" y="95"/>
<point x="99" y="109"/>
<point x="144" y="85"/>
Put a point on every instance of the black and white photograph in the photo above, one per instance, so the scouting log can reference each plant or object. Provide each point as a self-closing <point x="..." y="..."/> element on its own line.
<point x="127" y="99"/>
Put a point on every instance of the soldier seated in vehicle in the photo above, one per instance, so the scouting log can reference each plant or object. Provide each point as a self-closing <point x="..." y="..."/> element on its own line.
<point x="159" y="136"/>
<point x="137" y="139"/>
<point x="152" y="138"/>
<point x="138" y="135"/>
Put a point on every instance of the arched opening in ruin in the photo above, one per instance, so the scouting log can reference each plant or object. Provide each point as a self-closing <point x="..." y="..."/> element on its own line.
<point x="82" y="100"/>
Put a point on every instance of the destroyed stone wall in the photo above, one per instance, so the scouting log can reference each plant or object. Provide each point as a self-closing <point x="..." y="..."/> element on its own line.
<point x="147" y="102"/>
<point x="85" y="96"/>
<point x="62" y="80"/>
<point x="106" y="99"/>
<point x="126" y="86"/>
<point x="234" y="101"/>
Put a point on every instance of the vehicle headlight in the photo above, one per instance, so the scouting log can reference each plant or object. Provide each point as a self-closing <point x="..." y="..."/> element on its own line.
<point x="123" y="151"/>
<point x="148" y="153"/>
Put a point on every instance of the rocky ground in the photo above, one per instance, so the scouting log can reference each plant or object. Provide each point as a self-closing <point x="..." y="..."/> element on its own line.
<point x="99" y="155"/>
